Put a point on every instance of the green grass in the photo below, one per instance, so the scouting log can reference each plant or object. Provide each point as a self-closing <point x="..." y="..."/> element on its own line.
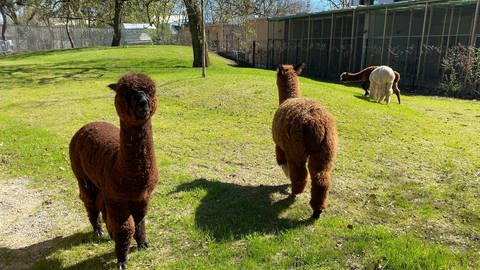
<point x="405" y="189"/>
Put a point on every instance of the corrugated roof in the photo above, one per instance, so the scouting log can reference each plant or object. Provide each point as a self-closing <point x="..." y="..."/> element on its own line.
<point x="410" y="3"/>
<point x="137" y="26"/>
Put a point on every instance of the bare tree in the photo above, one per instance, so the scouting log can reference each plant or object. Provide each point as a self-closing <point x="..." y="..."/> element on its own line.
<point x="117" y="22"/>
<point x="66" y="10"/>
<point x="157" y="13"/>
<point x="231" y="11"/>
<point x="8" y="9"/>
<point x="337" y="4"/>
<point x="195" y="25"/>
<point x="272" y="8"/>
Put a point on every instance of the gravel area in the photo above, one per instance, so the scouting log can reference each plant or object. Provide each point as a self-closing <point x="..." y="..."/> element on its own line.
<point x="31" y="223"/>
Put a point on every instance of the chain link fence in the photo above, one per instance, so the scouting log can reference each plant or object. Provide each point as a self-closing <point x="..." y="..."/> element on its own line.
<point x="34" y="38"/>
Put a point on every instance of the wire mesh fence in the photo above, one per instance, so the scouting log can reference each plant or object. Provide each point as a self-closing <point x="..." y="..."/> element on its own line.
<point x="34" y="38"/>
<point x="411" y="37"/>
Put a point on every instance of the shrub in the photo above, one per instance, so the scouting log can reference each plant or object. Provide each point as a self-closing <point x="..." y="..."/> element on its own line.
<point x="461" y="72"/>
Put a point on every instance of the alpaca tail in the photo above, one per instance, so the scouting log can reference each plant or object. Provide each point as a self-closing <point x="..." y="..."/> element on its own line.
<point x="396" y="91"/>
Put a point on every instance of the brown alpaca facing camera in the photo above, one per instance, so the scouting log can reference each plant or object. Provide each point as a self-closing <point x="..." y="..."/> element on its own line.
<point x="303" y="130"/>
<point x="116" y="168"/>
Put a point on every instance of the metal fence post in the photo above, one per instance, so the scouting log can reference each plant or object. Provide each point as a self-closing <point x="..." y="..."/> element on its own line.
<point x="383" y="37"/>
<point x="366" y="27"/>
<point x="331" y="43"/>
<point x="268" y="44"/>
<point x="352" y="55"/>
<point x="420" y="55"/>
<point x="308" y="41"/>
<point x="473" y="40"/>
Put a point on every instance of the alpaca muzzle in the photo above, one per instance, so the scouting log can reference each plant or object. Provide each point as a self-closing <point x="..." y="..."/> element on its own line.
<point x="142" y="107"/>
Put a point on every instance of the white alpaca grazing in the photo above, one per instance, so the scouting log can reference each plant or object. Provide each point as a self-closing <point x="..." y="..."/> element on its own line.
<point x="381" y="81"/>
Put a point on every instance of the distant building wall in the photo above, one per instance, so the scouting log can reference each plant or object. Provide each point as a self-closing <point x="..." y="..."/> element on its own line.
<point x="246" y="43"/>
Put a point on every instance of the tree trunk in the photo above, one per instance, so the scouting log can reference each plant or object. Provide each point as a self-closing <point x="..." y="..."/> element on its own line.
<point x="69" y="35"/>
<point x="117" y="20"/>
<point x="4" y="25"/>
<point x="196" y="30"/>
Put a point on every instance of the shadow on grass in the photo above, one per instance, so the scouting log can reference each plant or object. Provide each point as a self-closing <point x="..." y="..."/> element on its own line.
<point x="35" y="256"/>
<point x="365" y="98"/>
<point x="231" y="211"/>
<point x="24" y="75"/>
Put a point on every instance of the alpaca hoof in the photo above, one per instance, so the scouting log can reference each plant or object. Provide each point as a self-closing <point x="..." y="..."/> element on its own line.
<point x="122" y="265"/>
<point x="142" y="245"/>
<point x="316" y="214"/>
<point x="98" y="233"/>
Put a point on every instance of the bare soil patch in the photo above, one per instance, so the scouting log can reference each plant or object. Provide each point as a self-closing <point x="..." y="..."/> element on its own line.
<point x="31" y="223"/>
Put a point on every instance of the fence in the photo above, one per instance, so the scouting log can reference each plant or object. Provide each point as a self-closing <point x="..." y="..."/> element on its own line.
<point x="247" y="44"/>
<point x="411" y="37"/>
<point x="34" y="38"/>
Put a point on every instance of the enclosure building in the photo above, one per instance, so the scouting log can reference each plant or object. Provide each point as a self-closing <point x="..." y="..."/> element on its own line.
<point x="412" y="37"/>
<point x="136" y="33"/>
<point x="246" y="43"/>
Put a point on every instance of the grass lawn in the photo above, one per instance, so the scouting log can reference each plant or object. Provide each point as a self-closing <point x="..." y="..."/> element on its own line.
<point x="405" y="190"/>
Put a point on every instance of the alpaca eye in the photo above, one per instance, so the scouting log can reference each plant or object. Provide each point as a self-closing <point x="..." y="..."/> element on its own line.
<point x="127" y="96"/>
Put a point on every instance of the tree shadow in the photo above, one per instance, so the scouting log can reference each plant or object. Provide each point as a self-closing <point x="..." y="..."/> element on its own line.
<point x="25" y="75"/>
<point x="231" y="211"/>
<point x="365" y="98"/>
<point x="36" y="256"/>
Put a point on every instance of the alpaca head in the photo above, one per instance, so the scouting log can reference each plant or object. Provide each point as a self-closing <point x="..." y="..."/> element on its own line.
<point x="287" y="81"/>
<point x="344" y="76"/>
<point x="135" y="98"/>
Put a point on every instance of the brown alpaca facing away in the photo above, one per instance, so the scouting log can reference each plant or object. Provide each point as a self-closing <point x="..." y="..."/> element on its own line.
<point x="363" y="76"/>
<point x="302" y="129"/>
<point x="116" y="168"/>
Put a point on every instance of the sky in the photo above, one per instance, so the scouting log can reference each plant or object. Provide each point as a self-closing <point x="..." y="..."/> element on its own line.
<point x="319" y="5"/>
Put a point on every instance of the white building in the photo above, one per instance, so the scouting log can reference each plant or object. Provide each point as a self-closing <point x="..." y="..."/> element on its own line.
<point x="136" y="33"/>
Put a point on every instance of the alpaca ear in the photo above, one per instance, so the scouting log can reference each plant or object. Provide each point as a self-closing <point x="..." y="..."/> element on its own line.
<point x="299" y="68"/>
<point x="280" y="69"/>
<point x="113" y="86"/>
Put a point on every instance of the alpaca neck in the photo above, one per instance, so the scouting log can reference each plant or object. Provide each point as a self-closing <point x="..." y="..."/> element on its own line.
<point x="288" y="89"/>
<point x="355" y="77"/>
<point x="136" y="148"/>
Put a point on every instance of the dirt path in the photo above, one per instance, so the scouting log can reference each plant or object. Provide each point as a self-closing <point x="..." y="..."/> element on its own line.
<point x="31" y="224"/>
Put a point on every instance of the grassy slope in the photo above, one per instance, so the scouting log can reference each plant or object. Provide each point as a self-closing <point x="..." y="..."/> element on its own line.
<point x="406" y="176"/>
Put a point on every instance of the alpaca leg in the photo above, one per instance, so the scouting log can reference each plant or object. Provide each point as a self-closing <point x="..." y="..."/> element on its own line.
<point x="373" y="90"/>
<point x="139" y="210"/>
<point x="298" y="175"/>
<point x="121" y="226"/>
<point x="89" y="194"/>
<point x="389" y="92"/>
<point x="380" y="98"/>
<point x="320" y="165"/>
<point x="365" y="86"/>
<point x="281" y="160"/>
<point x="380" y="93"/>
